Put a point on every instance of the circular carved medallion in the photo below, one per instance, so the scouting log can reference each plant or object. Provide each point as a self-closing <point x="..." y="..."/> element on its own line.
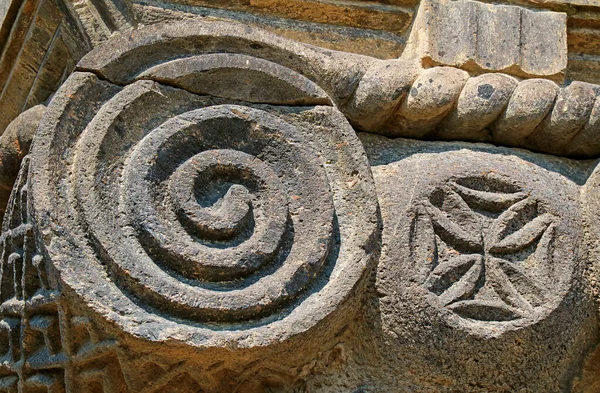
<point x="179" y="217"/>
<point x="489" y="242"/>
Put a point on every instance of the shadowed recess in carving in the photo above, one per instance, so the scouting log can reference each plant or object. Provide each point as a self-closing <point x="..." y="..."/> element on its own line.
<point x="179" y="222"/>
<point x="481" y="268"/>
<point x="223" y="222"/>
<point x="238" y="77"/>
<point x="391" y="97"/>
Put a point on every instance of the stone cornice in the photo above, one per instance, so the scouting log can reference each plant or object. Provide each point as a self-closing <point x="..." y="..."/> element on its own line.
<point x="395" y="98"/>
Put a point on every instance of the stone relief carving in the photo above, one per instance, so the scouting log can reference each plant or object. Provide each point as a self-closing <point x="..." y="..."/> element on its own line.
<point x="480" y="254"/>
<point x="198" y="213"/>
<point x="206" y="212"/>
<point x="45" y="346"/>
<point x="485" y="236"/>
<point x="209" y="222"/>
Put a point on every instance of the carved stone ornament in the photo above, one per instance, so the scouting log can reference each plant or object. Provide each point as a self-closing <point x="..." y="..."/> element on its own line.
<point x="203" y="205"/>
<point x="492" y="240"/>
<point x="480" y="254"/>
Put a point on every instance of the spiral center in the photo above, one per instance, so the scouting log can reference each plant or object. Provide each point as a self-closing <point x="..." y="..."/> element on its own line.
<point x="208" y="199"/>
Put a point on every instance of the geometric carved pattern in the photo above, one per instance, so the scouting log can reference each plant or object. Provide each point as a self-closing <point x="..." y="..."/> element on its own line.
<point x="481" y="255"/>
<point x="44" y="348"/>
<point x="390" y="97"/>
<point x="480" y="267"/>
<point x="489" y="241"/>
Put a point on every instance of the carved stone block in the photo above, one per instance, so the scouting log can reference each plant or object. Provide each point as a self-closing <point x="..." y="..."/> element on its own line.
<point x="206" y="229"/>
<point x="480" y="264"/>
<point x="39" y="46"/>
<point x="477" y="36"/>
<point x="197" y="212"/>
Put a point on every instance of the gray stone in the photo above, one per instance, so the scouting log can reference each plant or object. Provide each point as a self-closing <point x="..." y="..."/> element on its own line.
<point x="529" y="104"/>
<point x="586" y="143"/>
<point x="380" y="91"/>
<point x="238" y="77"/>
<point x="481" y="101"/>
<point x="391" y="97"/>
<point x="569" y="115"/>
<point x="480" y="267"/>
<point x="14" y="145"/>
<point x="543" y="42"/>
<point x="489" y="37"/>
<point x="229" y="231"/>
<point x="197" y="214"/>
<point x="39" y="46"/>
<point x="430" y="98"/>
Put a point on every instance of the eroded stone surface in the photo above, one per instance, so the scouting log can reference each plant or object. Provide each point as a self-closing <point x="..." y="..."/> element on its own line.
<point x="39" y="46"/>
<point x="14" y="145"/>
<point x="480" y="267"/>
<point x="477" y="36"/>
<point x="214" y="224"/>
<point x="198" y="215"/>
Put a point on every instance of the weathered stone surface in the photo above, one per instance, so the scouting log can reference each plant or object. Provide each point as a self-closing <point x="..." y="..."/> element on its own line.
<point x="430" y="98"/>
<point x="480" y="267"/>
<point x="380" y="90"/>
<point x="480" y="102"/>
<point x="126" y="58"/>
<point x="543" y="42"/>
<point x="370" y="28"/>
<point x="586" y="142"/>
<point x="238" y="77"/>
<point x="591" y="205"/>
<point x="221" y="231"/>
<point x="375" y="28"/>
<point x="393" y="97"/>
<point x="99" y="20"/>
<point x="39" y="46"/>
<point x="377" y="43"/>
<point x="477" y="36"/>
<point x="444" y="103"/>
<point x="197" y="214"/>
<point x="569" y="115"/>
<point x="529" y="104"/>
<point x="14" y="145"/>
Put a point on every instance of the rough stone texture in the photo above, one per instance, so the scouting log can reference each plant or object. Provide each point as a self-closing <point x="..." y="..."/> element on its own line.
<point x="529" y="104"/>
<point x="39" y="46"/>
<point x="481" y="266"/>
<point x="197" y="214"/>
<point x="391" y="97"/>
<point x="477" y="36"/>
<point x="590" y="206"/>
<point x="14" y="145"/>
<point x="482" y="100"/>
<point x="222" y="232"/>
<point x="365" y="41"/>
<point x="375" y="28"/>
<point x="430" y="98"/>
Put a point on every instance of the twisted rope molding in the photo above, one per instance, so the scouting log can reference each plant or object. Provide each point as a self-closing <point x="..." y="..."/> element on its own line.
<point x="445" y="103"/>
<point x="395" y="98"/>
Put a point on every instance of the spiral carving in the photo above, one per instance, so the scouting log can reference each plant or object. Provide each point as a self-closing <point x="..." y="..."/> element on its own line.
<point x="202" y="214"/>
<point x="196" y="211"/>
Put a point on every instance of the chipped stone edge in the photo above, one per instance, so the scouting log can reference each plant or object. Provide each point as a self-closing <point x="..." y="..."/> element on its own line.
<point x="387" y="96"/>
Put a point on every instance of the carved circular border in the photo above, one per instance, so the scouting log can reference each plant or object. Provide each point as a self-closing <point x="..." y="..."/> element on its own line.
<point x="95" y="207"/>
<point x="479" y="207"/>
